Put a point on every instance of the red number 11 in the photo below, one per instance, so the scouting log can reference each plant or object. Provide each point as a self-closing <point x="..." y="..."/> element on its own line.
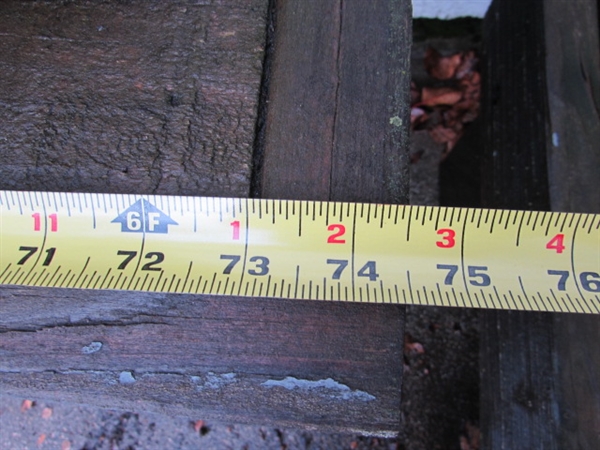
<point x="37" y="222"/>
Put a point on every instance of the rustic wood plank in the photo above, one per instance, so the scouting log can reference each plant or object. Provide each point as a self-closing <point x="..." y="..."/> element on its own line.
<point x="223" y="358"/>
<point x="334" y="126"/>
<point x="137" y="97"/>
<point x="513" y="107"/>
<point x="518" y="386"/>
<point x="518" y="393"/>
<point x="540" y="372"/>
<point x="573" y="80"/>
<point x="339" y="103"/>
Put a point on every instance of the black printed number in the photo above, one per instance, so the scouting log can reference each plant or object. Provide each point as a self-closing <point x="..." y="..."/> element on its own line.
<point x="562" y="281"/>
<point x="452" y="269"/>
<point x="478" y="277"/>
<point x="154" y="257"/>
<point x="369" y="270"/>
<point x="477" y="274"/>
<point x="130" y="256"/>
<point x="341" y="265"/>
<point x="590" y="281"/>
<point x="261" y="264"/>
<point x="234" y="260"/>
<point x="32" y="250"/>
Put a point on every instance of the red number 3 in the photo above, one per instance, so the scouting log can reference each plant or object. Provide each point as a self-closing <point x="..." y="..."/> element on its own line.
<point x="448" y="235"/>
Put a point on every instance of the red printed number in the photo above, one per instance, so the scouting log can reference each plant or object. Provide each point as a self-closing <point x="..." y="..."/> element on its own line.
<point x="556" y="243"/>
<point x="236" y="230"/>
<point x="448" y="235"/>
<point x="37" y="222"/>
<point x="335" y="238"/>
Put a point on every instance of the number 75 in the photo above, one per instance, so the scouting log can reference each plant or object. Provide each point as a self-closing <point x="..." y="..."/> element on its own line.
<point x="477" y="274"/>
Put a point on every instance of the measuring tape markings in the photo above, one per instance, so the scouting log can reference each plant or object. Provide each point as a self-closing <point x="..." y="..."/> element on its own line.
<point x="303" y="253"/>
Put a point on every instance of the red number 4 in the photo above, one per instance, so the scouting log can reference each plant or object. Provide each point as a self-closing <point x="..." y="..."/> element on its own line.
<point x="556" y="243"/>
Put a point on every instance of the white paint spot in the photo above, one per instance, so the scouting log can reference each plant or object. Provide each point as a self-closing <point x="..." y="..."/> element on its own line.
<point x="555" y="139"/>
<point x="213" y="380"/>
<point x="329" y="387"/>
<point x="396" y="121"/>
<point x="450" y="9"/>
<point x="126" y="377"/>
<point x="92" y="348"/>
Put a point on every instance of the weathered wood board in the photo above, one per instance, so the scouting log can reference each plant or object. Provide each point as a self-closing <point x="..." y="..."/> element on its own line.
<point x="340" y="109"/>
<point x="135" y="97"/>
<point x="292" y="363"/>
<point x="540" y="373"/>
<point x="203" y="356"/>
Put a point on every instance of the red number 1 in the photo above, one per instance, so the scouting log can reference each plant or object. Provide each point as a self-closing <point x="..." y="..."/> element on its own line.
<point x="37" y="223"/>
<point x="236" y="230"/>
<point x="53" y="222"/>
<point x="448" y="235"/>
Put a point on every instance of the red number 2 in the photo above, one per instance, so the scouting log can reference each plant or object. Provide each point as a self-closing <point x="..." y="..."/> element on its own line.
<point x="335" y="237"/>
<point x="448" y="235"/>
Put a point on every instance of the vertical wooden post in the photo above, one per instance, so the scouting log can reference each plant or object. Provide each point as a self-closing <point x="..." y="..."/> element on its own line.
<point x="338" y="113"/>
<point x="540" y="372"/>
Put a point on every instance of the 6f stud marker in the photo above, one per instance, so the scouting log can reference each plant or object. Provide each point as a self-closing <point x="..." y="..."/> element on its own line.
<point x="519" y="260"/>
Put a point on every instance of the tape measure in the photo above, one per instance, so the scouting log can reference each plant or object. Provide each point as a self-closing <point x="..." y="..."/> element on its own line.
<point x="373" y="253"/>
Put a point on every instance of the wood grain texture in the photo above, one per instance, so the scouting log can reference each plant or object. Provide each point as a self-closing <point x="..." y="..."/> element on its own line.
<point x="302" y="364"/>
<point x="540" y="372"/>
<point x="132" y="97"/>
<point x="334" y="128"/>
<point x="573" y="80"/>
<point x="339" y="103"/>
<point x="518" y="382"/>
<point x="514" y="107"/>
<point x="205" y="355"/>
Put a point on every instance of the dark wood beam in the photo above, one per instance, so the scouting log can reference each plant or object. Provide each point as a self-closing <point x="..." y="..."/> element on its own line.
<point x="540" y="372"/>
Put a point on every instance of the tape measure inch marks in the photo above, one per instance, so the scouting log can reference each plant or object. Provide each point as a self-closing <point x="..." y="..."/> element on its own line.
<point x="517" y="260"/>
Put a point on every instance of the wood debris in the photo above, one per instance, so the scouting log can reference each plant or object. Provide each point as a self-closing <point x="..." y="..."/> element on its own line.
<point x="46" y="413"/>
<point x="26" y="405"/>
<point x="451" y="101"/>
<point x="471" y="438"/>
